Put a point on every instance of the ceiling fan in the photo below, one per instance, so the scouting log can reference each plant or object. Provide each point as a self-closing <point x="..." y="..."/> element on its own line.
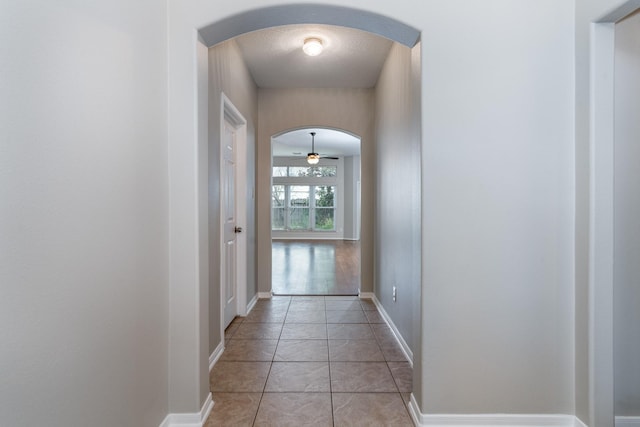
<point x="313" y="158"/>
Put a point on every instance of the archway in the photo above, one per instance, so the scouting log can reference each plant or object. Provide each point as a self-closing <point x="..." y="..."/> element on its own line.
<point x="274" y="16"/>
<point x="315" y="212"/>
<point x="188" y="145"/>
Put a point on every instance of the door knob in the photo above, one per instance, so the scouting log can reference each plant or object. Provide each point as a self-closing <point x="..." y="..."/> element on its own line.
<point x="238" y="229"/>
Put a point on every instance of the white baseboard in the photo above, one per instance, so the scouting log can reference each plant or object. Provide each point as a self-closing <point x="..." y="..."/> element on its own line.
<point x="414" y="410"/>
<point x="628" y="421"/>
<point x="490" y="420"/>
<point x="217" y="353"/>
<point x="264" y="295"/>
<point x="403" y="344"/>
<point x="196" y="419"/>
<point x="578" y="422"/>
<point x="252" y="303"/>
<point x="366" y="295"/>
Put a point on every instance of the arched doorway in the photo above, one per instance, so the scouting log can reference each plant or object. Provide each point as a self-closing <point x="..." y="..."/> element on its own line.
<point x="190" y="269"/>
<point x="315" y="213"/>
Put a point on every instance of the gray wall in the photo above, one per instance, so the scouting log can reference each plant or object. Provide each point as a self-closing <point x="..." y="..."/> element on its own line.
<point x="351" y="213"/>
<point x="83" y="213"/>
<point x="84" y="205"/>
<point x="280" y="110"/>
<point x="397" y="219"/>
<point x="586" y="376"/>
<point x="626" y="287"/>
<point x="498" y="208"/>
<point x="229" y="74"/>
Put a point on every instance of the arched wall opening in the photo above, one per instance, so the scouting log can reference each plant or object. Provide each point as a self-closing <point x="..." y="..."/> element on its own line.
<point x="351" y="109"/>
<point x="315" y="212"/>
<point x="477" y="157"/>
<point x="274" y="16"/>
<point x="190" y="259"/>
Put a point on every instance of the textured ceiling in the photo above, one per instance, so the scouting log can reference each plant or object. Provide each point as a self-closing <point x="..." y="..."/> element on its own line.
<point x="328" y="142"/>
<point x="351" y="58"/>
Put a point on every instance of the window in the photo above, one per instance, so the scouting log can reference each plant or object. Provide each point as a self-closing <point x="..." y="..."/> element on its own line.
<point x="305" y="171"/>
<point x="278" y="207"/>
<point x="303" y="207"/>
<point x="303" y="197"/>
<point x="280" y="171"/>
<point x="324" y="207"/>
<point x="298" y="207"/>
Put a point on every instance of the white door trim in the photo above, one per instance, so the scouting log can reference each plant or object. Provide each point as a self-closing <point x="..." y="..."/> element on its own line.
<point x="602" y="84"/>
<point x="230" y="114"/>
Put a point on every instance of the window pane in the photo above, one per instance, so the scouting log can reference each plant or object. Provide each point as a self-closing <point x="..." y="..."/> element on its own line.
<point x="300" y="171"/>
<point x="325" y="171"/>
<point x="277" y="196"/>
<point x="299" y="219"/>
<point x="325" y="211"/>
<point x="277" y="218"/>
<point x="324" y="219"/>
<point x="299" y="207"/>
<point x="299" y="196"/>
<point x="278" y="207"/>
<point x="279" y="171"/>
<point x="324" y="196"/>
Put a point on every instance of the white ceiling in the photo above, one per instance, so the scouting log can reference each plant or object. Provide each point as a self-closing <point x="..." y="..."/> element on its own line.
<point x="328" y="142"/>
<point x="351" y="58"/>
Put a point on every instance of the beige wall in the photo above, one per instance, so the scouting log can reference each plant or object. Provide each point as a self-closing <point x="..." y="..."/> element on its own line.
<point x="280" y="110"/>
<point x="229" y="74"/>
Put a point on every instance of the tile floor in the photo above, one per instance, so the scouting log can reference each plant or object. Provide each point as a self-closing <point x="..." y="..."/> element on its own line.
<point x="311" y="361"/>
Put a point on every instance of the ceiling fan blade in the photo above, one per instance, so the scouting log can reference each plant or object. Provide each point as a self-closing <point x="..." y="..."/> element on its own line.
<point x="330" y="158"/>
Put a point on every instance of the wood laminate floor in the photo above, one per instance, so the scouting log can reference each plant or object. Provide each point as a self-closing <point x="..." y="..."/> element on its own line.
<point x="315" y="267"/>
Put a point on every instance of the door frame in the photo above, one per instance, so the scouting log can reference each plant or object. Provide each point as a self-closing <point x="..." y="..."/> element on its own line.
<point x="230" y="114"/>
<point x="601" y="256"/>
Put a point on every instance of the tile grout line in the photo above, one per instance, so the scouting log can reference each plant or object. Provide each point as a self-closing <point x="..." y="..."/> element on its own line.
<point x="326" y="327"/>
<point x="264" y="388"/>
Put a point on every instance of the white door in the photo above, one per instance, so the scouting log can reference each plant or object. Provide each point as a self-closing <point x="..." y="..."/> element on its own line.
<point x="229" y="225"/>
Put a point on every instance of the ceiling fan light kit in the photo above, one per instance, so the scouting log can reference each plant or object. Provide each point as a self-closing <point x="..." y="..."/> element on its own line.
<point x="313" y="158"/>
<point x="312" y="46"/>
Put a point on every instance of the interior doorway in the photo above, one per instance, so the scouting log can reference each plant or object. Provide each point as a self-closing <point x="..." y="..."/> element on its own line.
<point x="315" y="212"/>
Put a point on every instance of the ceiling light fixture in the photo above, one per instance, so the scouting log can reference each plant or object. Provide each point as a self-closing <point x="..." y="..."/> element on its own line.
<point x="312" y="46"/>
<point x="313" y="158"/>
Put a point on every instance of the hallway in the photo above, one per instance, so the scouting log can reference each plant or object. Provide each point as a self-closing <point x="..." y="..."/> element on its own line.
<point x="322" y="361"/>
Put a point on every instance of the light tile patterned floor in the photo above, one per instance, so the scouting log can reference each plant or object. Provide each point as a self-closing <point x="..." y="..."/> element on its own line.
<point x="311" y="361"/>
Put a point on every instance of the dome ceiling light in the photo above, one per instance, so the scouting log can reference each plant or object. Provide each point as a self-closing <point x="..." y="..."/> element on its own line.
<point x="312" y="46"/>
